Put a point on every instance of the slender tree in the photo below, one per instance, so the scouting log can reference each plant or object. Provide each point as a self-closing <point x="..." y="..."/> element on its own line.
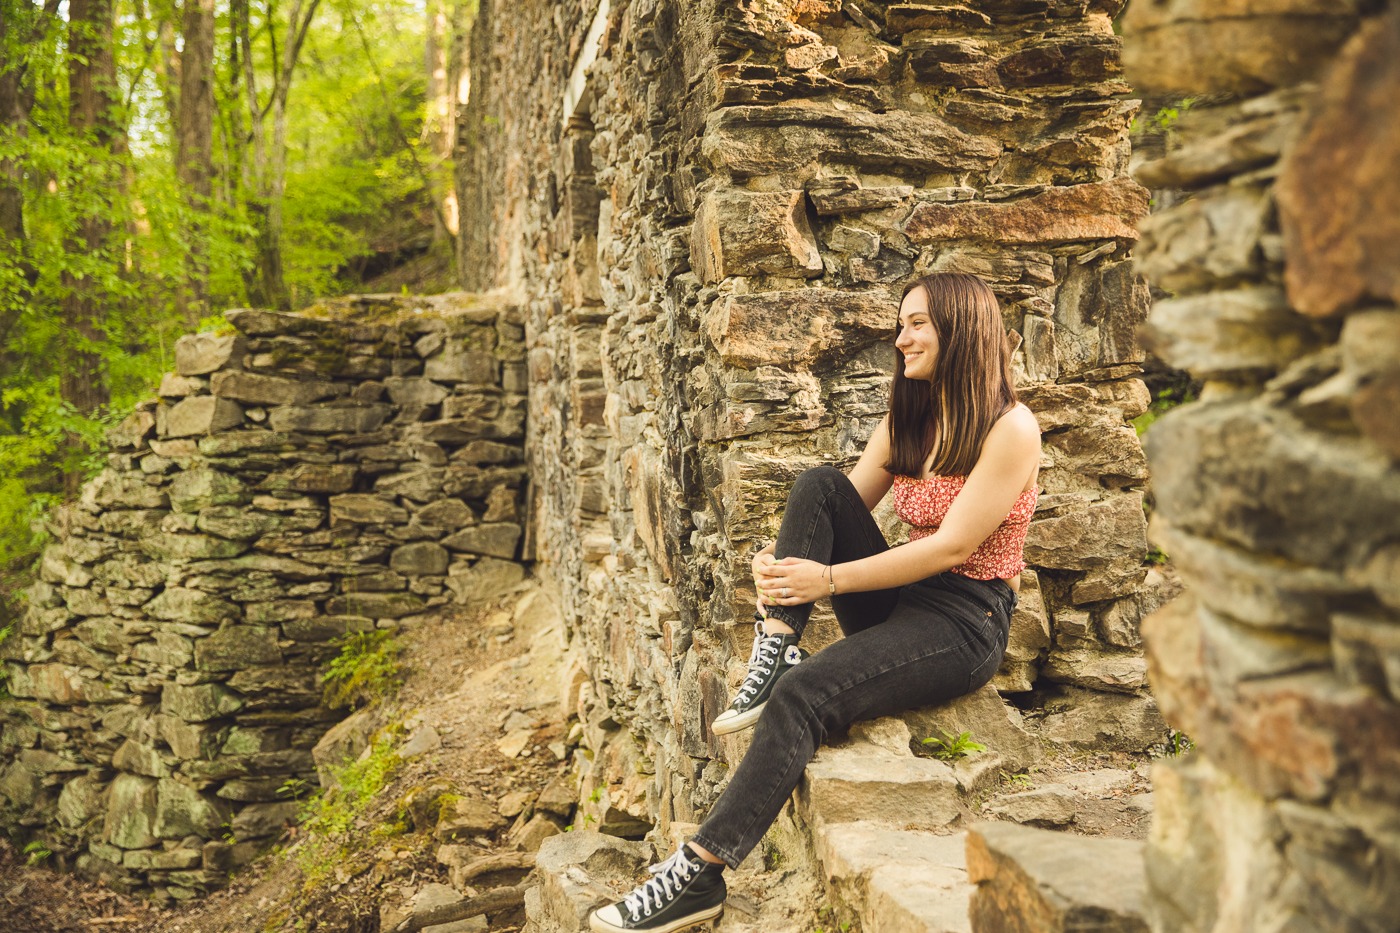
<point x="268" y="167"/>
<point x="92" y="84"/>
<point x="439" y="127"/>
<point x="195" y="149"/>
<point x="21" y="28"/>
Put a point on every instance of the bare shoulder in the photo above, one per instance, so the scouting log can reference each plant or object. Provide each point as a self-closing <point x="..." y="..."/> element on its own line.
<point x="1017" y="424"/>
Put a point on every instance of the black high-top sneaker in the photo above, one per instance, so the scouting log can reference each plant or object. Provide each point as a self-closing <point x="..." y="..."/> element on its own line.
<point x="772" y="657"/>
<point x="683" y="890"/>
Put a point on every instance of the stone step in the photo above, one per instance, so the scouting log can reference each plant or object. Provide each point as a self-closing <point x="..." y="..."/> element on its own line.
<point x="862" y="782"/>
<point x="879" y="816"/>
<point x="1041" y="881"/>
<point x="579" y="871"/>
<point x="897" y="881"/>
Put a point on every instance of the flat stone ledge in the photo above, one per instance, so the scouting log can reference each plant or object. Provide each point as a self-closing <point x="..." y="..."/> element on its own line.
<point x="898" y="882"/>
<point x="1040" y="881"/>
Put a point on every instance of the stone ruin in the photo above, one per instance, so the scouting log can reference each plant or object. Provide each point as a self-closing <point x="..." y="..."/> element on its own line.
<point x="1278" y="494"/>
<point x="300" y="478"/>
<point x="710" y="210"/>
<point x="704" y="218"/>
<point x="706" y="212"/>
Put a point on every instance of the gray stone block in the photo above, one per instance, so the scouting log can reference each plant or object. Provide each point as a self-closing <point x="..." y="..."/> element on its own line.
<point x="1038" y="881"/>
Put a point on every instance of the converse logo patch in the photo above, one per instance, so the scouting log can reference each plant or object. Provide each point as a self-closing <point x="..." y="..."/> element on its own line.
<point x="792" y="655"/>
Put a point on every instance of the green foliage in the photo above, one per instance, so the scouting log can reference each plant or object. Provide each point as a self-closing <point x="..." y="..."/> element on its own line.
<point x="366" y="670"/>
<point x="327" y="818"/>
<point x="827" y="915"/>
<point x="1175" y="744"/>
<point x="36" y="852"/>
<point x="1163" y="122"/>
<point x="950" y="747"/>
<point x="1167" y="399"/>
<point x="295" y="788"/>
<point x="1018" y="781"/>
<point x="357" y="171"/>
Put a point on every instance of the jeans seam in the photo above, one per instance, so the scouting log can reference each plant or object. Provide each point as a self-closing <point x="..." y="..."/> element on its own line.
<point x="995" y="649"/>
<point x="845" y="686"/>
<point x="816" y="707"/>
<point x="754" y="811"/>
<point x="724" y="852"/>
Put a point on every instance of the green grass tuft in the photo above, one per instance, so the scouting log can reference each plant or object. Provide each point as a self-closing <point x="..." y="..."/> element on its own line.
<point x="366" y="670"/>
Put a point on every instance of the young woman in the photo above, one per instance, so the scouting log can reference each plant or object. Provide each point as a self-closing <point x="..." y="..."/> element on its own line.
<point x="924" y="622"/>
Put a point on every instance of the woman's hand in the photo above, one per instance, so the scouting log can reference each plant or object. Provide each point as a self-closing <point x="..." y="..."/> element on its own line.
<point x="762" y="558"/>
<point x="791" y="581"/>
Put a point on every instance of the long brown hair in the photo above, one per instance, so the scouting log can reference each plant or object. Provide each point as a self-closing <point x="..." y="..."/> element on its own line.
<point x="971" y="386"/>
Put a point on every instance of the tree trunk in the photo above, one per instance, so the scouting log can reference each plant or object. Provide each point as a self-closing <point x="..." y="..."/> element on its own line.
<point x="195" y="149"/>
<point x="92" y="99"/>
<point x="472" y="172"/>
<point x="234" y="133"/>
<point x="254" y="157"/>
<point x="16" y="101"/>
<point x="439" y="126"/>
<point x="274" y="285"/>
<point x="268" y="169"/>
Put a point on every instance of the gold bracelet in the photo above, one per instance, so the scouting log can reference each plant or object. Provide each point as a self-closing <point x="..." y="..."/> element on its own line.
<point x="831" y="578"/>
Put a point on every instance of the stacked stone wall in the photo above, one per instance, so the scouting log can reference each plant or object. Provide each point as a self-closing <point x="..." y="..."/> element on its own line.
<point x="1278" y="493"/>
<point x="710" y="215"/>
<point x="301" y="477"/>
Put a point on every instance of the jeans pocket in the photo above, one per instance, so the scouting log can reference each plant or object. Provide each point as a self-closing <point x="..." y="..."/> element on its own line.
<point x="986" y="669"/>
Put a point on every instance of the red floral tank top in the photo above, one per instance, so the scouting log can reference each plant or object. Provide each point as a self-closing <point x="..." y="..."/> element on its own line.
<point x="924" y="503"/>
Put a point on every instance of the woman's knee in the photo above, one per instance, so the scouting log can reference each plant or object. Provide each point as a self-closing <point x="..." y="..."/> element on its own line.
<point x="817" y="480"/>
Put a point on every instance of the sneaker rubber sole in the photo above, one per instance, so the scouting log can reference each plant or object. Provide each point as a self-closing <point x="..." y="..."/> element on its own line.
<point x="598" y="925"/>
<point x="744" y="720"/>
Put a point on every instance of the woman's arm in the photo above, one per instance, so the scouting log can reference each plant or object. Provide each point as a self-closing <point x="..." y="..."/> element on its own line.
<point x="1009" y="457"/>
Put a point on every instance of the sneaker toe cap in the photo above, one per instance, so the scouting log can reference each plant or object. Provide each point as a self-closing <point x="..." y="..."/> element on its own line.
<point x="609" y="915"/>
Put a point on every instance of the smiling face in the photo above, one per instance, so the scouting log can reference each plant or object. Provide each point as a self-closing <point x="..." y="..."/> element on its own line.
<point x="917" y="340"/>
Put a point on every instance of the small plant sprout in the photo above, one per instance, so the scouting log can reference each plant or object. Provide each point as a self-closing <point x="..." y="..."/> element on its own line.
<point x="36" y="852"/>
<point x="949" y="747"/>
<point x="294" y="788"/>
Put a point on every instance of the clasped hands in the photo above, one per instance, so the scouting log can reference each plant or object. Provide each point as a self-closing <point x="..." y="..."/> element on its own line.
<point x="792" y="581"/>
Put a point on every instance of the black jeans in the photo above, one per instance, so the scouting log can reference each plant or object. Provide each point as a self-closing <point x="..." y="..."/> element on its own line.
<point x="916" y="645"/>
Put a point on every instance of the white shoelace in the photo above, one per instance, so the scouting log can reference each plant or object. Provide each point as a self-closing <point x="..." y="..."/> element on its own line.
<point x="761" y="662"/>
<point x="656" y="891"/>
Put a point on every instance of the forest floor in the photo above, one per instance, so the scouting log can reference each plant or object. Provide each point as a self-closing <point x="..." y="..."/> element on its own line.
<point x="474" y="678"/>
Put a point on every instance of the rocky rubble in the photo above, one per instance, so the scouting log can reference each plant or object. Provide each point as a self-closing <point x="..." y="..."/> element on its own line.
<point x="300" y="478"/>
